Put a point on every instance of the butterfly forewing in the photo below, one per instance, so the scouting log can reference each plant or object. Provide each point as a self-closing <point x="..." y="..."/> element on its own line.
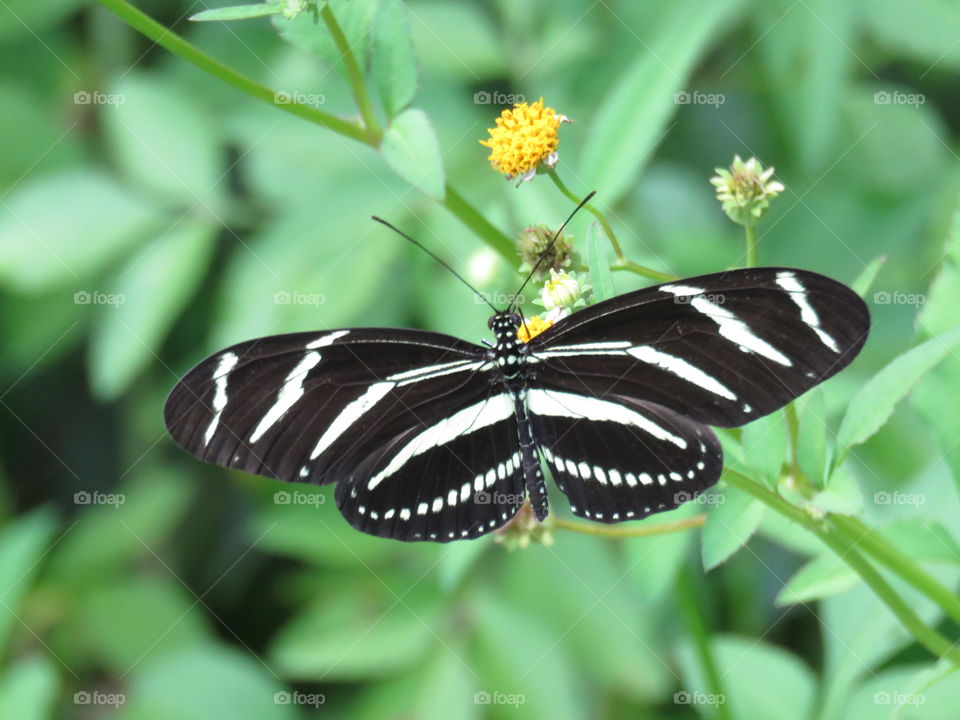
<point x="307" y="406"/>
<point x="723" y="349"/>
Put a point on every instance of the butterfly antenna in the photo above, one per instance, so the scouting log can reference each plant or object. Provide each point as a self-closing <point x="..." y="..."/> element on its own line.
<point x="516" y="298"/>
<point x="457" y="275"/>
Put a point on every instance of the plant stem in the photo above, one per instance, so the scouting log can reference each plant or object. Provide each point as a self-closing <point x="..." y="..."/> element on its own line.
<point x="181" y="48"/>
<point x="846" y="549"/>
<point x="793" y="431"/>
<point x="354" y="73"/>
<point x="880" y="548"/>
<point x="468" y="215"/>
<point x="751" y="231"/>
<point x="631" y="532"/>
<point x="691" y="609"/>
<point x="369" y="135"/>
<point x="621" y="261"/>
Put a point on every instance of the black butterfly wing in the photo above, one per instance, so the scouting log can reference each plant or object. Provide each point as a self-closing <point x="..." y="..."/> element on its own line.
<point x="722" y="349"/>
<point x="620" y="458"/>
<point x="407" y="423"/>
<point x="457" y="477"/>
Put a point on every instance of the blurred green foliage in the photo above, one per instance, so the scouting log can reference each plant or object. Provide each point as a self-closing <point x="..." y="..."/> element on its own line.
<point x="150" y="214"/>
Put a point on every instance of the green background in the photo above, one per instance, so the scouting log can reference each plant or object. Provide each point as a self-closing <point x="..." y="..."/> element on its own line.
<point x="200" y="597"/>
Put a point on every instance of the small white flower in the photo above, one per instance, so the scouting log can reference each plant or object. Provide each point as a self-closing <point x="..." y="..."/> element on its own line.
<point x="562" y="290"/>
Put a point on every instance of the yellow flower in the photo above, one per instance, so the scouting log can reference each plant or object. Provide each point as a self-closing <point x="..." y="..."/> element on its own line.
<point x="532" y="327"/>
<point x="524" y="138"/>
<point x="535" y="325"/>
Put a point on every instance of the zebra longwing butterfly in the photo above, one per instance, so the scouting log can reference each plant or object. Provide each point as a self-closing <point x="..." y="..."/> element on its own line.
<point x="432" y="438"/>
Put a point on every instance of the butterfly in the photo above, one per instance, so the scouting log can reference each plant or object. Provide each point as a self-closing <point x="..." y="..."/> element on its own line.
<point x="431" y="438"/>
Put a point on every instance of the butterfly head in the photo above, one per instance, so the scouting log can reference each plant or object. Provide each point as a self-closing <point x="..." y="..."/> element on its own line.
<point x="504" y="326"/>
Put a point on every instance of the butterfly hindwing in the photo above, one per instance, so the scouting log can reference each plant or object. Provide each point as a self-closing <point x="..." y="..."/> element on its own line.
<point x="723" y="349"/>
<point x="457" y="477"/>
<point x="619" y="458"/>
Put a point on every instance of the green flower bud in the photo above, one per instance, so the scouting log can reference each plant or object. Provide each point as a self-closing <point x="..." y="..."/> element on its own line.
<point x="745" y="190"/>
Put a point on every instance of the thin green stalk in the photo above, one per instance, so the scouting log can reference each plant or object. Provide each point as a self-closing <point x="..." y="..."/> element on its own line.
<point x="626" y="531"/>
<point x="469" y="216"/>
<point x="793" y="432"/>
<point x="846" y="549"/>
<point x="751" y="232"/>
<point x="886" y="553"/>
<point x="354" y="74"/>
<point x="181" y="48"/>
<point x="691" y="609"/>
<point x="621" y="261"/>
<point x="370" y="135"/>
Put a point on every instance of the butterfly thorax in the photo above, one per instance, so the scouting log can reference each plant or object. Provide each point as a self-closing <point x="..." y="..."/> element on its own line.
<point x="509" y="352"/>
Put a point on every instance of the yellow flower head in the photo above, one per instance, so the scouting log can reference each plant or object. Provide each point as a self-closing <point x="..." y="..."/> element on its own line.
<point x="535" y="325"/>
<point x="524" y="138"/>
<point x="532" y="327"/>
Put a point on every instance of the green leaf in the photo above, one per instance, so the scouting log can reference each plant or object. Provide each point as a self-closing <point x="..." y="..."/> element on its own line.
<point x="786" y="692"/>
<point x="867" y="276"/>
<point x="842" y="495"/>
<point x="206" y="683"/>
<point x="154" y="288"/>
<point x="765" y="446"/>
<point x="305" y="271"/>
<point x="106" y="537"/>
<point x="31" y="18"/>
<point x="926" y="31"/>
<point x="120" y="623"/>
<point x="922" y="539"/>
<point x="23" y="545"/>
<point x="359" y="631"/>
<point x="822" y="577"/>
<point x="61" y="230"/>
<point x="633" y="116"/>
<point x="410" y="146"/>
<point x="812" y="436"/>
<point x="354" y="18"/>
<point x="163" y="140"/>
<point x="731" y="522"/>
<point x="873" y="405"/>
<point x="237" y="12"/>
<point x="517" y="654"/>
<point x="601" y="276"/>
<point x="394" y="64"/>
<point x="28" y="689"/>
